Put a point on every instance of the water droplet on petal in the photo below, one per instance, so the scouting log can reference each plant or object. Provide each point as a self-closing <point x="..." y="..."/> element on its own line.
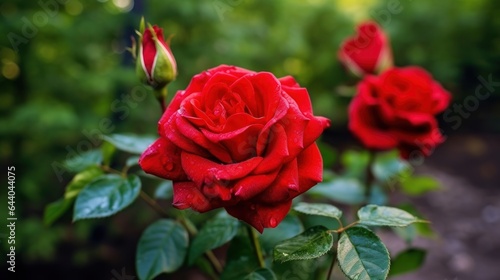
<point x="252" y="207"/>
<point x="273" y="222"/>
<point x="189" y="197"/>
<point x="169" y="166"/>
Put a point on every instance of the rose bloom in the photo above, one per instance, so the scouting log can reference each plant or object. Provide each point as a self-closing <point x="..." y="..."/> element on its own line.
<point x="367" y="52"/>
<point x="240" y="140"/>
<point x="397" y="110"/>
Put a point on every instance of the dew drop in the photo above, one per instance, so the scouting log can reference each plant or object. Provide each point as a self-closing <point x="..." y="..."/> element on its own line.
<point x="273" y="222"/>
<point x="189" y="197"/>
<point x="252" y="207"/>
<point x="169" y="166"/>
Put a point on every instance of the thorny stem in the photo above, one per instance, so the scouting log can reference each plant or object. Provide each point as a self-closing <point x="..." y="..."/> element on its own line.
<point x="256" y="245"/>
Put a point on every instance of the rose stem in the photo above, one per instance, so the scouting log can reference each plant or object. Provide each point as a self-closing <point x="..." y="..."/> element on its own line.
<point x="187" y="224"/>
<point x="161" y="94"/>
<point x="330" y="271"/>
<point x="256" y="244"/>
<point x="369" y="176"/>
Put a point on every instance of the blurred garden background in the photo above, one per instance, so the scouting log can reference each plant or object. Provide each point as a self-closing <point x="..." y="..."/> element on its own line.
<point x="65" y="70"/>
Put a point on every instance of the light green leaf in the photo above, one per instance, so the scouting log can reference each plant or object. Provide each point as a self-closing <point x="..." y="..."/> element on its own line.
<point x="345" y="190"/>
<point x="134" y="144"/>
<point x="409" y="260"/>
<point x="319" y="209"/>
<point x="81" y="180"/>
<point x="388" y="165"/>
<point x="261" y="274"/>
<point x="105" y="196"/>
<point x="361" y="255"/>
<point x="213" y="234"/>
<point x="164" y="190"/>
<point x="419" y="185"/>
<point x="374" y="215"/>
<point x="80" y="162"/>
<point x="55" y="210"/>
<point x="288" y="228"/>
<point x="161" y="249"/>
<point x="310" y="244"/>
<point x="108" y="150"/>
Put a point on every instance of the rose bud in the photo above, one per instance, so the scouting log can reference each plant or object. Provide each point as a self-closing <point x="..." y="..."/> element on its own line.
<point x="368" y="52"/>
<point x="397" y="110"/>
<point x="155" y="63"/>
<point x="240" y="140"/>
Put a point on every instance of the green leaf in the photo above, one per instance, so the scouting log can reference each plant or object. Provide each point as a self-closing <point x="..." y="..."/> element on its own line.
<point x="373" y="215"/>
<point x="105" y="196"/>
<point x="213" y="234"/>
<point x="377" y="195"/>
<point x="388" y="165"/>
<point x="164" y="190"/>
<point x="161" y="249"/>
<point x="310" y="244"/>
<point x="131" y="161"/>
<point x="55" y="210"/>
<point x="261" y="274"/>
<point x="133" y="144"/>
<point x="409" y="260"/>
<point x="361" y="255"/>
<point x="82" y="161"/>
<point x="81" y="180"/>
<point x="241" y="259"/>
<point x="419" y="185"/>
<point x="288" y="228"/>
<point x="345" y="190"/>
<point x="319" y="209"/>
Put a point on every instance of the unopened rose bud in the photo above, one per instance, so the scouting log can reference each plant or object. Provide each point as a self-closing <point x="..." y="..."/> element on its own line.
<point x="155" y="63"/>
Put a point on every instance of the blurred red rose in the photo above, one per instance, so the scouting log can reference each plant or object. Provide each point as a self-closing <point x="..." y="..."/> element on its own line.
<point x="367" y="52"/>
<point x="240" y="140"/>
<point x="397" y="110"/>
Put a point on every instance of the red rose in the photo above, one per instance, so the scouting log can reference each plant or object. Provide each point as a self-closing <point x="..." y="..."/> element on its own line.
<point x="156" y="64"/>
<point x="397" y="109"/>
<point x="366" y="52"/>
<point x="239" y="140"/>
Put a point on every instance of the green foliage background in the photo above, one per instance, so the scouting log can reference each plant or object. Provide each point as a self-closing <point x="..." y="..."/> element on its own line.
<point x="61" y="79"/>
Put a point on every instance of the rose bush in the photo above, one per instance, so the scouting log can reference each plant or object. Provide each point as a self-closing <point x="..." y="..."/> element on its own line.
<point x="240" y="140"/>
<point x="397" y="110"/>
<point x="368" y="51"/>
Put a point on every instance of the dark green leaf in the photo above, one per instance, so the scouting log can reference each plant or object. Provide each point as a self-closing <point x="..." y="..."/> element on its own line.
<point x="213" y="234"/>
<point x="419" y="185"/>
<point x="261" y="274"/>
<point x="344" y="190"/>
<point x="241" y="259"/>
<point x="374" y="215"/>
<point x="161" y="249"/>
<point x="105" y="196"/>
<point x="319" y="209"/>
<point x="135" y="144"/>
<point x="407" y="261"/>
<point x="361" y="255"/>
<point x="80" y="162"/>
<point x="55" y="210"/>
<point x="289" y="227"/>
<point x="81" y="180"/>
<point x="164" y="190"/>
<point x="388" y="165"/>
<point x="310" y="244"/>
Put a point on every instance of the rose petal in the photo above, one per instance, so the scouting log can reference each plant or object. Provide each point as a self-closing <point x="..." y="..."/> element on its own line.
<point x="310" y="169"/>
<point x="251" y="186"/>
<point x="260" y="216"/>
<point x="204" y="171"/>
<point x="187" y="195"/>
<point x="276" y="152"/>
<point x="162" y="159"/>
<point x="286" y="182"/>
